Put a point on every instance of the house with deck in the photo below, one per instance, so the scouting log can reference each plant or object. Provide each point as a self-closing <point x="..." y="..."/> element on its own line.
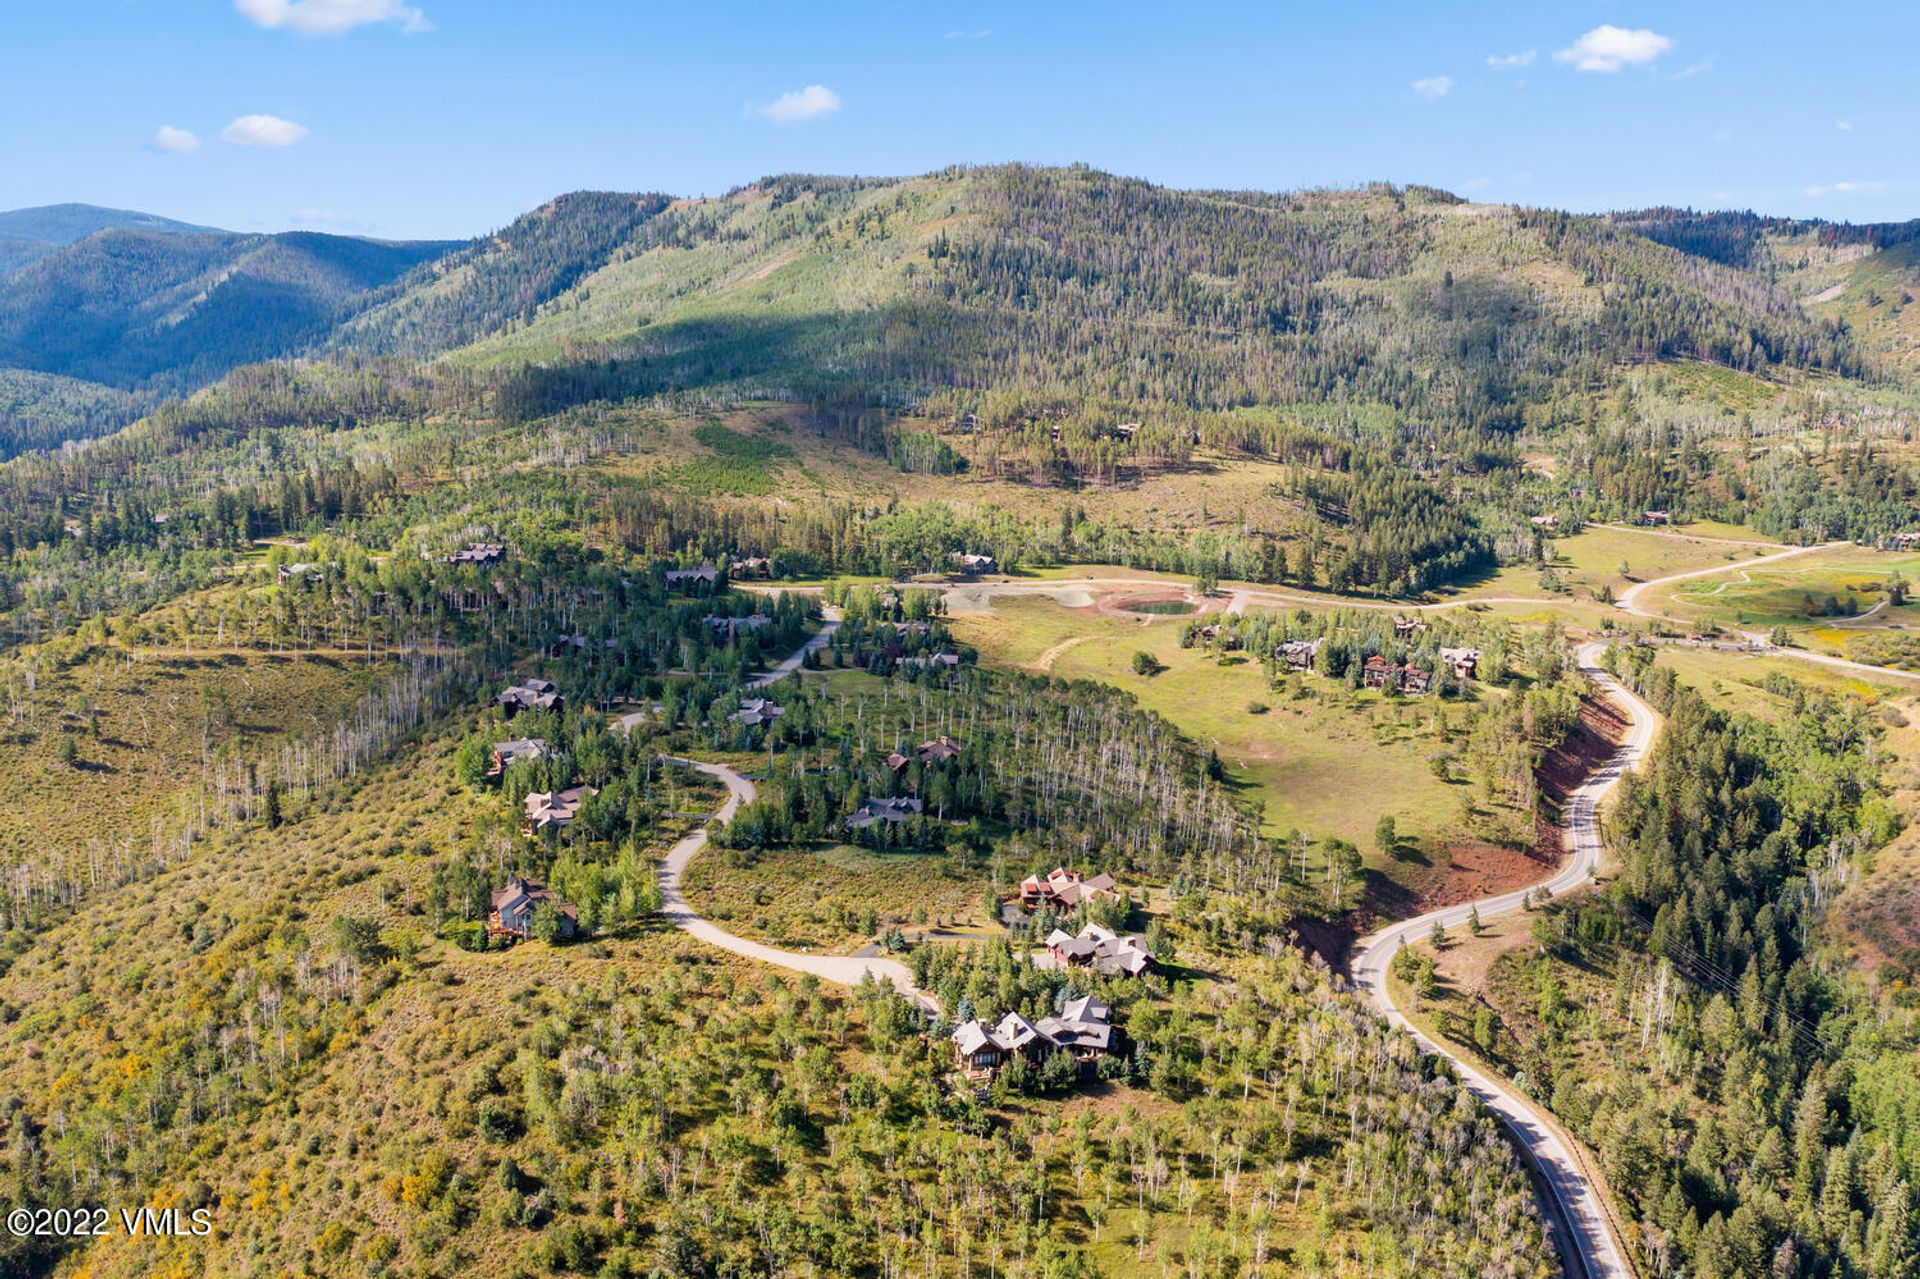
<point x="1299" y="655"/>
<point x="1463" y="662"/>
<point x="508" y="753"/>
<point x="757" y="710"/>
<point x="1084" y="1028"/>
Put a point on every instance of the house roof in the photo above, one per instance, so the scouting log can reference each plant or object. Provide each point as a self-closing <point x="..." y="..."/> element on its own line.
<point x="556" y="808"/>
<point x="521" y="748"/>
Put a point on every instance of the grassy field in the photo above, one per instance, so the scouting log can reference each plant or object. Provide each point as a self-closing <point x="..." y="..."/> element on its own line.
<point x="139" y="732"/>
<point x="1738" y="681"/>
<point x="1321" y="759"/>
<point x="1800" y="593"/>
<point x="1593" y="557"/>
<point x="815" y="899"/>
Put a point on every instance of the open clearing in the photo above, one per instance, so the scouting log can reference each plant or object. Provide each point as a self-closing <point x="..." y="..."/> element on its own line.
<point x="1321" y="759"/>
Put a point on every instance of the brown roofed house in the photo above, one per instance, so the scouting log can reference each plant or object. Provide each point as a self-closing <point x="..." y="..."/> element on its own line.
<point x="1065" y="890"/>
<point x="513" y="908"/>
<point x="555" y="810"/>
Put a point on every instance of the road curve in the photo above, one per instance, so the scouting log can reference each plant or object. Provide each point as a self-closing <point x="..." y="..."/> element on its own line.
<point x="1630" y="601"/>
<point x="1577" y="1200"/>
<point x="1630" y="598"/>
<point x="847" y="970"/>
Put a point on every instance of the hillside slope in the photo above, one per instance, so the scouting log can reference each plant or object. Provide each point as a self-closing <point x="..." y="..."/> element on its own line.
<point x="1075" y="284"/>
<point x="169" y="311"/>
<point x="27" y="235"/>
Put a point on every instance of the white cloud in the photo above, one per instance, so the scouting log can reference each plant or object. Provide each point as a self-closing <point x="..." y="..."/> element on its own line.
<point x="802" y="104"/>
<point x="1844" y="188"/>
<point x="1845" y="126"/>
<point x="169" y="138"/>
<point x="1512" y="61"/>
<point x="330" y="17"/>
<point x="263" y="131"/>
<point x="981" y="34"/>
<point x="1608" y="48"/>
<point x="1434" y="86"/>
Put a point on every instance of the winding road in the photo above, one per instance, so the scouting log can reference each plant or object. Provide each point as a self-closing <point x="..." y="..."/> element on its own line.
<point x="1583" y="1219"/>
<point x="847" y="970"/>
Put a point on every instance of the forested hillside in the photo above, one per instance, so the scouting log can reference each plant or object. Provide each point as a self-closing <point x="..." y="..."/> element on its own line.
<point x="27" y="235"/>
<point x="169" y="312"/>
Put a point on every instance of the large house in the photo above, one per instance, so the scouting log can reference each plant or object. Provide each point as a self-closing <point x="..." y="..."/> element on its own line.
<point x="704" y="575"/>
<point x="513" y="908"/>
<point x="729" y="627"/>
<point x="1299" y="654"/>
<point x="555" y="810"/>
<point x="757" y="710"/>
<point x="313" y="574"/>
<point x="970" y="563"/>
<point x="1654" y="519"/>
<point x="751" y="566"/>
<point x="476" y="553"/>
<point x="508" y="753"/>
<point x="1065" y="890"/>
<point x="533" y="695"/>
<point x="1108" y="953"/>
<point x="1903" y="541"/>
<point x="1083" y="1028"/>
<point x="949" y="660"/>
<point x="1378" y="672"/>
<point x="1464" y="661"/>
<point x="874" y="812"/>
<point x="939" y="751"/>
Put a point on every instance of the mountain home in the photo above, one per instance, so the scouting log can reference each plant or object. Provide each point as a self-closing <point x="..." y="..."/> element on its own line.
<point x="554" y="811"/>
<point x="873" y="812"/>
<point x="690" y="578"/>
<point x="1083" y="1028"/>
<point x="1064" y="890"/>
<point x="1108" y="953"/>
<point x="757" y="710"/>
<point x="514" y="905"/>
<point x="508" y="753"/>
<point x="533" y="695"/>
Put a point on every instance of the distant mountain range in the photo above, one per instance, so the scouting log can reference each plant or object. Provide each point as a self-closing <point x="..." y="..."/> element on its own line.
<point x="104" y="311"/>
<point x="26" y="235"/>
<point x="1056" y="282"/>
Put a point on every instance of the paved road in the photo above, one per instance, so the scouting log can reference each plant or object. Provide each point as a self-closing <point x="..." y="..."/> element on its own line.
<point x="821" y="638"/>
<point x="848" y="970"/>
<point x="1630" y="601"/>
<point x="1598" y="1254"/>
<point x="787" y="666"/>
<point x="1630" y="598"/>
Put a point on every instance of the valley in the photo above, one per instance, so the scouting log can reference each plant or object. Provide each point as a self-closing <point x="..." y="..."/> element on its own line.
<point x="1013" y="720"/>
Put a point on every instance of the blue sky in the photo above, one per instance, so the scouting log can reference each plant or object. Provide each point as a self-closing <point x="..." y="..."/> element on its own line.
<point x="449" y="117"/>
